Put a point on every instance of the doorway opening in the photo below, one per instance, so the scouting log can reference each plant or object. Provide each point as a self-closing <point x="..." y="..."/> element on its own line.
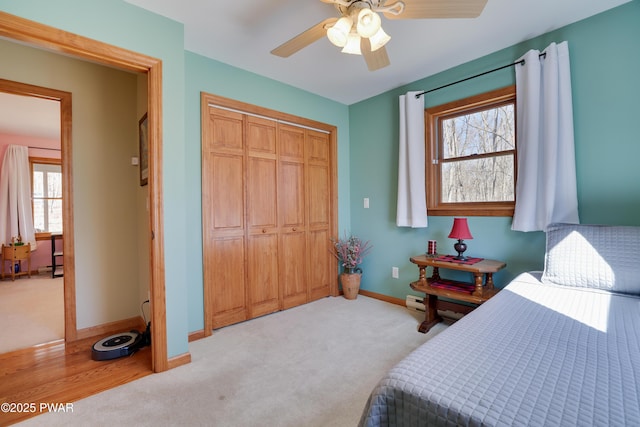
<point x="41" y="309"/>
<point x="42" y="36"/>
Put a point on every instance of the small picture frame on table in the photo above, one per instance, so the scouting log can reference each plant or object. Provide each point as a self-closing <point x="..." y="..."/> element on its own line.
<point x="143" y="135"/>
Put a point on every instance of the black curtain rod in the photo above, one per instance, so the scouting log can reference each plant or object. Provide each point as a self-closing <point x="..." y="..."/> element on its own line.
<point x="44" y="148"/>
<point x="418" y="95"/>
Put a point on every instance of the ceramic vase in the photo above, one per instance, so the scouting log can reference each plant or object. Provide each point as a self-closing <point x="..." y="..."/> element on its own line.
<point x="350" y="281"/>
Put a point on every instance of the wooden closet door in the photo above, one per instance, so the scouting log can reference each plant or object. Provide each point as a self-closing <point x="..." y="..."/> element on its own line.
<point x="293" y="224"/>
<point x="223" y="219"/>
<point x="268" y="209"/>
<point x="318" y="182"/>
<point x="262" y="217"/>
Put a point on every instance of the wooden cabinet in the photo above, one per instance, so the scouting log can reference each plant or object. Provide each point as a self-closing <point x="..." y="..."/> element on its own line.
<point x="14" y="255"/>
<point x="268" y="213"/>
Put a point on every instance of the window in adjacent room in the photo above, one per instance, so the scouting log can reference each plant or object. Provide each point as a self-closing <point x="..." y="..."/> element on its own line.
<point x="47" y="195"/>
<point x="471" y="155"/>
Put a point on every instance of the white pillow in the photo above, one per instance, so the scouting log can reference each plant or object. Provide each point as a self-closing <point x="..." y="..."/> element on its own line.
<point x="603" y="257"/>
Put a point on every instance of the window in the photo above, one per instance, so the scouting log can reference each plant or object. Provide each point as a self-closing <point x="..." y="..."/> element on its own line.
<point x="471" y="155"/>
<point x="47" y="195"/>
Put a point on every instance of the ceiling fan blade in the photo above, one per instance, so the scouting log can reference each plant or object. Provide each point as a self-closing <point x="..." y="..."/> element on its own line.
<point x="303" y="39"/>
<point x="422" y="9"/>
<point x="376" y="59"/>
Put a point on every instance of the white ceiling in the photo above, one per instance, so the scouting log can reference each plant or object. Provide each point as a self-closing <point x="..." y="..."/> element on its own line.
<point x="29" y="116"/>
<point x="242" y="33"/>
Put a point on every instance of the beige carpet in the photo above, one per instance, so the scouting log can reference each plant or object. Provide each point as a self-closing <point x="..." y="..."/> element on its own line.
<point x="312" y="365"/>
<point x="31" y="311"/>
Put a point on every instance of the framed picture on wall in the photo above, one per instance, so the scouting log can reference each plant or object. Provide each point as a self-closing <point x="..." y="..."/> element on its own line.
<point x="144" y="150"/>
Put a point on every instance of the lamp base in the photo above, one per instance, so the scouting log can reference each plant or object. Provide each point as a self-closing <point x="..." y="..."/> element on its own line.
<point x="460" y="247"/>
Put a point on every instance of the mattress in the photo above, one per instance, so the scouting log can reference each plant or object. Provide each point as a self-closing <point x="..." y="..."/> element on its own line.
<point x="534" y="355"/>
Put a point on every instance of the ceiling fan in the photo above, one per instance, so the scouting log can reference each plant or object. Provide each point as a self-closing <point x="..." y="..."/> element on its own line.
<point x="358" y="29"/>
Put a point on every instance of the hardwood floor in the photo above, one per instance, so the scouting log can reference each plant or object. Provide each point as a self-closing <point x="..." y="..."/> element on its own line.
<point x="57" y="374"/>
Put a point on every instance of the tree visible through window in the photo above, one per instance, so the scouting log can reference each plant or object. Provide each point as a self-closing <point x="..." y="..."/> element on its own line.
<point x="472" y="148"/>
<point x="47" y="195"/>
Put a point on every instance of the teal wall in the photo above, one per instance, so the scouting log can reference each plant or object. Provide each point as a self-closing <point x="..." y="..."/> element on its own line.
<point x="605" y="62"/>
<point x="206" y="75"/>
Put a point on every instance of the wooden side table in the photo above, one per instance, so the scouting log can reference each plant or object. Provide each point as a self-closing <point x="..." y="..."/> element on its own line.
<point x="15" y="255"/>
<point x="476" y="292"/>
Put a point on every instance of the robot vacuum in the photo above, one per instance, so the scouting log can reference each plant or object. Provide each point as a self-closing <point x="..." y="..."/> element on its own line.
<point x="118" y="345"/>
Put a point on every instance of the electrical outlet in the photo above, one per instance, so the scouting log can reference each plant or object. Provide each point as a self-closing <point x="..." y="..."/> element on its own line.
<point x="395" y="273"/>
<point x="366" y="203"/>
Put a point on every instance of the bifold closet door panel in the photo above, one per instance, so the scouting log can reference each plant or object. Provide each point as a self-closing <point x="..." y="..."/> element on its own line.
<point x="227" y="296"/>
<point x="262" y="217"/>
<point x="292" y="214"/>
<point x="321" y="262"/>
<point x="223" y="200"/>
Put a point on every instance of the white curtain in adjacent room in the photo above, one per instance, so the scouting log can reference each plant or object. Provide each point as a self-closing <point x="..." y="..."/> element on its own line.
<point x="15" y="196"/>
<point x="546" y="189"/>
<point x="412" y="201"/>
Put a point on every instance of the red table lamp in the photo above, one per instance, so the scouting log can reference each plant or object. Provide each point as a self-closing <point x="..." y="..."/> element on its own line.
<point x="460" y="231"/>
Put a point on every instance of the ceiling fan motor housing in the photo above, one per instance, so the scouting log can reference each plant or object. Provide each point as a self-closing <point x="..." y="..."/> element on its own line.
<point x="353" y="7"/>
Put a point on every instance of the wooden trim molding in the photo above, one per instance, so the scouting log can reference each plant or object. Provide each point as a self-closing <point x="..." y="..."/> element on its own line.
<point x="382" y="297"/>
<point x="182" y="359"/>
<point x="196" y="335"/>
<point x="36" y="34"/>
<point x="136" y="323"/>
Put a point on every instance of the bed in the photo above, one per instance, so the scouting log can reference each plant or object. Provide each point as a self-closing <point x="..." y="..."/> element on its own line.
<point x="554" y="348"/>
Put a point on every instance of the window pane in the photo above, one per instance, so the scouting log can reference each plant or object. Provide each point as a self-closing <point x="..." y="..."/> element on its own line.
<point x="486" y="131"/>
<point x="489" y="179"/>
<point x="55" y="215"/>
<point x="38" y="185"/>
<point x="47" y="197"/>
<point x="54" y="184"/>
<point x="38" y="215"/>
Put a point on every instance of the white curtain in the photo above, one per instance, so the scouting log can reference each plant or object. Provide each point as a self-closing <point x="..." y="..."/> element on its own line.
<point x="15" y="196"/>
<point x="412" y="202"/>
<point x="546" y="189"/>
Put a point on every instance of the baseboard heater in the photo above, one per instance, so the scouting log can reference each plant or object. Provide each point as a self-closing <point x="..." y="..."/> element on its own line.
<point x="415" y="303"/>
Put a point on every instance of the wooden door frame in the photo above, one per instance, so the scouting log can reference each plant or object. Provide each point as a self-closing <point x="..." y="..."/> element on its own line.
<point x="35" y="34"/>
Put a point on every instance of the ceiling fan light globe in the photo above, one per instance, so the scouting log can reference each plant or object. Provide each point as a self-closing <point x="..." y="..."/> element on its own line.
<point x="353" y="44"/>
<point x="379" y="39"/>
<point x="368" y="23"/>
<point x="339" y="33"/>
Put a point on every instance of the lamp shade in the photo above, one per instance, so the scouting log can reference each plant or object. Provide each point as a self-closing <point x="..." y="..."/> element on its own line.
<point x="339" y="33"/>
<point x="460" y="229"/>
<point x="368" y="23"/>
<point x="379" y="39"/>
<point x="353" y="44"/>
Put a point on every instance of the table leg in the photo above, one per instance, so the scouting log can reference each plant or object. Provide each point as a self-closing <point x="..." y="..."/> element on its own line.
<point x="489" y="283"/>
<point x="431" y="316"/>
<point x="478" y="282"/>
<point x="423" y="276"/>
